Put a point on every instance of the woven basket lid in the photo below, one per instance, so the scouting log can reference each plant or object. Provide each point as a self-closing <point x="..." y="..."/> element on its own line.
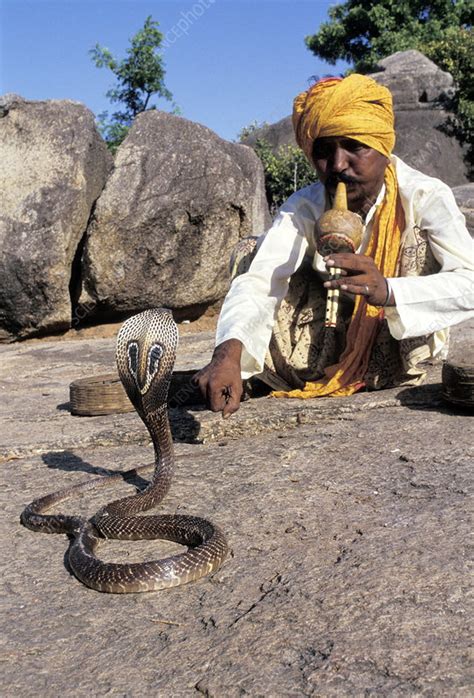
<point x="105" y="394"/>
<point x="458" y="383"/>
<point x="97" y="395"/>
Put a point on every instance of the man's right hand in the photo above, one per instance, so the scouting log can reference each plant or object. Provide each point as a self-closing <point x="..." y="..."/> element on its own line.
<point x="220" y="381"/>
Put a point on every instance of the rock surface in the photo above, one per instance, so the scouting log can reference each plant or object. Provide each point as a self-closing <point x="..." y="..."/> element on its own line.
<point x="413" y="79"/>
<point x="348" y="573"/>
<point x="178" y="200"/>
<point x="419" y="88"/>
<point x="464" y="196"/>
<point x="278" y="134"/>
<point x="53" y="167"/>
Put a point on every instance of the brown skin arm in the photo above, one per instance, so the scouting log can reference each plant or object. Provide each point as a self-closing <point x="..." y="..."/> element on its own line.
<point x="220" y="381"/>
<point x="361" y="276"/>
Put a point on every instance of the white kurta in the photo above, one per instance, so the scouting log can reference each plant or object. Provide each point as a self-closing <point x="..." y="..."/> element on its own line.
<point x="424" y="304"/>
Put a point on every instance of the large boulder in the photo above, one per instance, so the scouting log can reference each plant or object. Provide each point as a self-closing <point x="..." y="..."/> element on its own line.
<point x="464" y="196"/>
<point x="52" y="169"/>
<point x="420" y="89"/>
<point x="277" y="135"/>
<point x="414" y="80"/>
<point x="162" y="231"/>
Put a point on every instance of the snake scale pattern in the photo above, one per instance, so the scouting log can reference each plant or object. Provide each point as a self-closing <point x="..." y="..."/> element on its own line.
<point x="146" y="352"/>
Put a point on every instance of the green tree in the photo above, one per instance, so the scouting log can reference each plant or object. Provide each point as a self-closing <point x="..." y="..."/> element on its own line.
<point x="285" y="171"/>
<point x="364" y="31"/>
<point x="455" y="53"/>
<point x="140" y="76"/>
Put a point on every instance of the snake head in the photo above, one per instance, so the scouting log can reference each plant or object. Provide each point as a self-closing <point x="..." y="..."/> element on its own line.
<point x="146" y="352"/>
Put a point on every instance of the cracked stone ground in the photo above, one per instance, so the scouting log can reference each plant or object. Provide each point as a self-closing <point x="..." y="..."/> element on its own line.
<point x="348" y="565"/>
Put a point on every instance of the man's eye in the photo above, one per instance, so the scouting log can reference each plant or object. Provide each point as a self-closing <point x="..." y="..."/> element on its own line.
<point x="321" y="152"/>
<point x="355" y="147"/>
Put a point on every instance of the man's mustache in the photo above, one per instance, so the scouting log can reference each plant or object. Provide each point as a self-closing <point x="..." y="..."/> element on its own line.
<point x="341" y="177"/>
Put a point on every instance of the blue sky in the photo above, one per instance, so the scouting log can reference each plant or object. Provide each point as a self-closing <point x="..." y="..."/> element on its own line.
<point x="228" y="62"/>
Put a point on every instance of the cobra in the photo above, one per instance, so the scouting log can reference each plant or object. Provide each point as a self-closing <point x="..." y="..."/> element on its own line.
<point x="145" y="353"/>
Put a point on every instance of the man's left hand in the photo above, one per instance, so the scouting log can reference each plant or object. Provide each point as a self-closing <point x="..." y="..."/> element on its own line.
<point x="359" y="275"/>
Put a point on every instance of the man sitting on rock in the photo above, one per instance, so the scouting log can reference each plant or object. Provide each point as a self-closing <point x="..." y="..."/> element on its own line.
<point x="410" y="279"/>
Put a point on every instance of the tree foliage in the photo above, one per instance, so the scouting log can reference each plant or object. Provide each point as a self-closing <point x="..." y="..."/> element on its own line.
<point x="285" y="171"/>
<point x="455" y="53"/>
<point x="139" y="77"/>
<point x="364" y="31"/>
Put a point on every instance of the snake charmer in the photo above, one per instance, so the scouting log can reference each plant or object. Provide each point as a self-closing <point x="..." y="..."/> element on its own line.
<point x="408" y="281"/>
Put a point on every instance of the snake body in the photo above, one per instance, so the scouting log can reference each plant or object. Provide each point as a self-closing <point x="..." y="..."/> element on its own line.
<point x="145" y="353"/>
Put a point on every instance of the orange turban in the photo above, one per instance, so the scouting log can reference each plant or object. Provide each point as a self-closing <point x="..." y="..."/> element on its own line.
<point x="354" y="107"/>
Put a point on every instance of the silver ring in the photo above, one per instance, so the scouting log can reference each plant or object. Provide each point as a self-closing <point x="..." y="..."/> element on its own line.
<point x="367" y="290"/>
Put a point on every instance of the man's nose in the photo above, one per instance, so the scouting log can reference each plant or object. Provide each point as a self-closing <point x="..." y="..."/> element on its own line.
<point x="340" y="161"/>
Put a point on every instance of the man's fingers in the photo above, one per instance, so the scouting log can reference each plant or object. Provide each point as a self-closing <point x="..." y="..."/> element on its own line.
<point x="374" y="294"/>
<point x="225" y="400"/>
<point x="215" y="399"/>
<point x="232" y="404"/>
<point x="201" y="380"/>
<point x="220" y="381"/>
<point x="360" y="276"/>
<point x="362" y="289"/>
<point x="349" y="262"/>
<point x="232" y="397"/>
<point x="353" y="284"/>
